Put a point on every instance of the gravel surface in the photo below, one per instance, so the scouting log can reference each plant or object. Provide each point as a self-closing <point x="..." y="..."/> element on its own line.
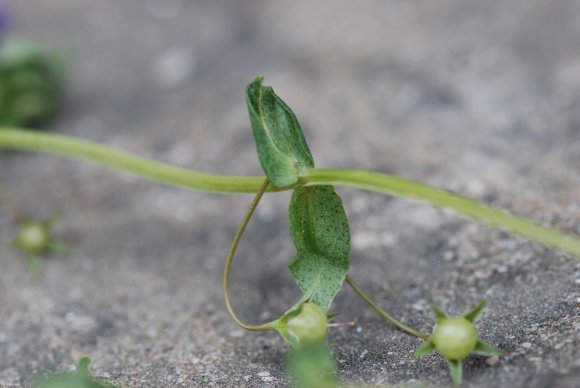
<point x="482" y="98"/>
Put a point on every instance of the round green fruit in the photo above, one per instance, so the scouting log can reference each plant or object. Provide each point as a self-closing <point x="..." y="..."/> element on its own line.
<point x="32" y="238"/>
<point x="455" y="338"/>
<point x="309" y="326"/>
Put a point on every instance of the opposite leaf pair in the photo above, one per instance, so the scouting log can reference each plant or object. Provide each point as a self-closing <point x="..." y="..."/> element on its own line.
<point x="318" y="222"/>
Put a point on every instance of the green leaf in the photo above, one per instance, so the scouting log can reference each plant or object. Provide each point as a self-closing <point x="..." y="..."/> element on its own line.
<point x="426" y="348"/>
<point x="475" y="311"/>
<point x="319" y="229"/>
<point x="485" y="349"/>
<point x="456" y="371"/>
<point x="313" y="367"/>
<point x="282" y="149"/>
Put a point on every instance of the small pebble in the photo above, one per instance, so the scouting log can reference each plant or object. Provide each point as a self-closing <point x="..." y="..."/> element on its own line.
<point x="491" y="361"/>
<point x="527" y="345"/>
<point x="237" y="334"/>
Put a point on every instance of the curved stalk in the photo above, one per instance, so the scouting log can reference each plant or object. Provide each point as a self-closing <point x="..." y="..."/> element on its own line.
<point x="383" y="313"/>
<point x="401" y="187"/>
<point x="155" y="171"/>
<point x="366" y="180"/>
<point x="230" y="261"/>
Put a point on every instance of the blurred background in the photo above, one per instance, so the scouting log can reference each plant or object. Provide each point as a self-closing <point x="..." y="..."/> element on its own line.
<point x="482" y="98"/>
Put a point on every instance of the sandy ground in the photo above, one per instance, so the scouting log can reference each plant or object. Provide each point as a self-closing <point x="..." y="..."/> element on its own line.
<point x="482" y="98"/>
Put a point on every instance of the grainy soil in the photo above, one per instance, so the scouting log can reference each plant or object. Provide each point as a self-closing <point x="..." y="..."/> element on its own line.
<point x="482" y="98"/>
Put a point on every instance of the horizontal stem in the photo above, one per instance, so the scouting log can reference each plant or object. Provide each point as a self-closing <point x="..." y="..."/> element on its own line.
<point x="366" y="180"/>
<point x="401" y="187"/>
<point x="159" y="172"/>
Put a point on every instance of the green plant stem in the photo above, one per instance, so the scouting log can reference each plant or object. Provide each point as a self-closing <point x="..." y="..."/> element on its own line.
<point x="230" y="261"/>
<point x="382" y="183"/>
<point x="401" y="187"/>
<point x="383" y="313"/>
<point x="159" y="172"/>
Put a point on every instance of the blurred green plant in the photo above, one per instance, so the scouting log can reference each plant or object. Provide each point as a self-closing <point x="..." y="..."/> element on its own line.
<point x="34" y="239"/>
<point x="31" y="83"/>
<point x="312" y="366"/>
<point x="79" y="378"/>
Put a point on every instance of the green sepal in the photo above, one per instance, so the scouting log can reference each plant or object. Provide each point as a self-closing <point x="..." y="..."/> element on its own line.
<point x="330" y="317"/>
<point x="485" y="349"/>
<point x="320" y="231"/>
<point x="291" y="325"/>
<point x="456" y="371"/>
<point x="58" y="248"/>
<point x="475" y="311"/>
<point x="84" y="364"/>
<point x="439" y="314"/>
<point x="282" y="149"/>
<point x="280" y="324"/>
<point x="424" y="349"/>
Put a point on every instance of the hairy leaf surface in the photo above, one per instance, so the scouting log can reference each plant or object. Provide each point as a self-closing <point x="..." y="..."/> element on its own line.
<point x="282" y="149"/>
<point x="320" y="231"/>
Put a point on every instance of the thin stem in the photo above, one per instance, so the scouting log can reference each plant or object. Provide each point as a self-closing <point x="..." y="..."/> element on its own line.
<point x="383" y="313"/>
<point x="366" y="180"/>
<point x="230" y="261"/>
<point x="159" y="172"/>
<point x="401" y="187"/>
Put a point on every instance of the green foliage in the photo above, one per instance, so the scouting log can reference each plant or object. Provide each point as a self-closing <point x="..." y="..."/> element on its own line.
<point x="282" y="149"/>
<point x="318" y="223"/>
<point x="313" y="367"/>
<point x="320" y="231"/>
<point x="79" y="378"/>
<point x="30" y="84"/>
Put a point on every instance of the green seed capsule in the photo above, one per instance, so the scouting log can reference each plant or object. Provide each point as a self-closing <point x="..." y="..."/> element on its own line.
<point x="33" y="238"/>
<point x="455" y="338"/>
<point x="309" y="326"/>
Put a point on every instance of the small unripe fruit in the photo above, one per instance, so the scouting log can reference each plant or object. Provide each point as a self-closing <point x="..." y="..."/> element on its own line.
<point x="32" y="238"/>
<point x="455" y="338"/>
<point x="309" y="326"/>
